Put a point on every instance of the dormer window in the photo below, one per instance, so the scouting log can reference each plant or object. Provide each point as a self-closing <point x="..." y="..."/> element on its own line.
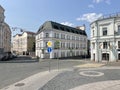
<point x="56" y="27"/>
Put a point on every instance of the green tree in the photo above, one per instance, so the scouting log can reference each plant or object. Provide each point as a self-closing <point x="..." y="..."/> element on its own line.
<point x="57" y="44"/>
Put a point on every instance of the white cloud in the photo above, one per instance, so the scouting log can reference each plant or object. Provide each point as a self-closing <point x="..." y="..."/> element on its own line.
<point x="99" y="1"/>
<point x="67" y="23"/>
<point x="89" y="17"/>
<point x="91" y="6"/>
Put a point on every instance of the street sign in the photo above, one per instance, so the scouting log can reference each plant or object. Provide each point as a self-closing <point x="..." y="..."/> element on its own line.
<point x="49" y="49"/>
<point x="49" y="44"/>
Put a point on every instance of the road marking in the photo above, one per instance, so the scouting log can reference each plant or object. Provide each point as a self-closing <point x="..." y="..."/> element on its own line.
<point x="91" y="73"/>
<point x="90" y="65"/>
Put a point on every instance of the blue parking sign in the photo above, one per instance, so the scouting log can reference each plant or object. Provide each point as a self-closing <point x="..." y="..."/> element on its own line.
<point x="49" y="49"/>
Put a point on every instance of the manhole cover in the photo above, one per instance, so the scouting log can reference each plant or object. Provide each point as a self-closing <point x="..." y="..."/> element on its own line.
<point x="19" y="84"/>
<point x="91" y="73"/>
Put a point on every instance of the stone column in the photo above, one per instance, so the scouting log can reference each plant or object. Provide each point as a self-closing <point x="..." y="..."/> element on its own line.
<point x="96" y="52"/>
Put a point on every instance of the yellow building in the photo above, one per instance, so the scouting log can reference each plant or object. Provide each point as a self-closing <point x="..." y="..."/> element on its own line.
<point x="24" y="44"/>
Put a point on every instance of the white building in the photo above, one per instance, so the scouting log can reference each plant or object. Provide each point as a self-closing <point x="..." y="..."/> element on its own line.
<point x="24" y="43"/>
<point x="105" y="38"/>
<point x="66" y="41"/>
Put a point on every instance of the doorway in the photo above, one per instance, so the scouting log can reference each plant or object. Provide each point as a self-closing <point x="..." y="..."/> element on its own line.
<point x="119" y="56"/>
<point x="105" y="56"/>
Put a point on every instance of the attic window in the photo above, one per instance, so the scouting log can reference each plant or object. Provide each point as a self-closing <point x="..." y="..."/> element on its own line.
<point x="77" y="32"/>
<point x="72" y="31"/>
<point x="62" y="28"/>
<point x="55" y="27"/>
<point x="80" y="32"/>
<point x="68" y="30"/>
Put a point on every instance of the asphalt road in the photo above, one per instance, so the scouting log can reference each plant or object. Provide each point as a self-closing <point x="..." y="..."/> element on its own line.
<point x="22" y="67"/>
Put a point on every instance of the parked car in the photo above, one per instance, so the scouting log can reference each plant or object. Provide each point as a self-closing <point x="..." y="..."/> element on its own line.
<point x="14" y="55"/>
<point x="6" y="56"/>
<point x="1" y="56"/>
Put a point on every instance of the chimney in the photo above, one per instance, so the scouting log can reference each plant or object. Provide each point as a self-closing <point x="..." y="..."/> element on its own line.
<point x="81" y="27"/>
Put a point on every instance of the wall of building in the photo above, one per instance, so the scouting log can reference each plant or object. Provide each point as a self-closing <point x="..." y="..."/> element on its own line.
<point x="23" y="43"/>
<point x="5" y="33"/>
<point x="70" y="44"/>
<point x="98" y="52"/>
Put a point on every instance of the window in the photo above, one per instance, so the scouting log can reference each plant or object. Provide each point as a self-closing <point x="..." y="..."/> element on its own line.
<point x="77" y="38"/>
<point x="93" y="44"/>
<point x="104" y="31"/>
<point x="72" y="31"/>
<point x="47" y="35"/>
<point x="93" y="33"/>
<point x="62" y="36"/>
<point x="55" y="27"/>
<point x="46" y="44"/>
<point x="68" y="37"/>
<point x="57" y="35"/>
<point x="73" y="38"/>
<point x="119" y="29"/>
<point x="67" y="29"/>
<point x="104" y="45"/>
<point x="62" y="28"/>
<point x="118" y="44"/>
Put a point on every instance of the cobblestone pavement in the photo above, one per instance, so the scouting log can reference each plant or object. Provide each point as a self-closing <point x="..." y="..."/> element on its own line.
<point x="72" y="79"/>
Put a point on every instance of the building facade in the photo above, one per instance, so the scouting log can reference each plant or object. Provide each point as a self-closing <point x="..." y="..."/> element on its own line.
<point x="105" y="38"/>
<point x="5" y="33"/>
<point x="65" y="41"/>
<point x="24" y="44"/>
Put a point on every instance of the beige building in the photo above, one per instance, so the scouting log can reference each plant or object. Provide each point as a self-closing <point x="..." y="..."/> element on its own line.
<point x="5" y="33"/>
<point x="24" y="43"/>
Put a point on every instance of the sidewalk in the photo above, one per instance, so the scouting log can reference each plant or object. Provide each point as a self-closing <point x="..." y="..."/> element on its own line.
<point x="33" y="82"/>
<point x="104" y="85"/>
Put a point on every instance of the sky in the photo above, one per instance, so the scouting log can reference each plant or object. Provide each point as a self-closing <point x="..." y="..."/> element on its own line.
<point x="31" y="14"/>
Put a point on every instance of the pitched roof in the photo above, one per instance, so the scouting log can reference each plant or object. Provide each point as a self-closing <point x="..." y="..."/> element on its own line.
<point x="2" y="8"/>
<point x="58" y="26"/>
<point x="29" y="32"/>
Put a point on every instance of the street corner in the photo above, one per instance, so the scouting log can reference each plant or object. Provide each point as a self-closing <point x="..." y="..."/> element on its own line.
<point x="90" y="65"/>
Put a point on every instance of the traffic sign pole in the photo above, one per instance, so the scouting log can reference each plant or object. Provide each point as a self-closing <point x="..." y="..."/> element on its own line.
<point x="49" y="49"/>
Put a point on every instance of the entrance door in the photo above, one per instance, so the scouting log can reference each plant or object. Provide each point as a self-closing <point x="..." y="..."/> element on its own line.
<point x="105" y="56"/>
<point x="94" y="57"/>
<point x="119" y="56"/>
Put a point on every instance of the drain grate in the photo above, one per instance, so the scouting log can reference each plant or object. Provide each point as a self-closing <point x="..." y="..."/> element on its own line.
<point x="19" y="84"/>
